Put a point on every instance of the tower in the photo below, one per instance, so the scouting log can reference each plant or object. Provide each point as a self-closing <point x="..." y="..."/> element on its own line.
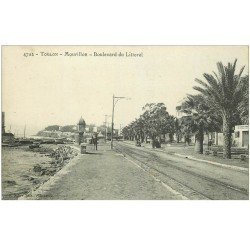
<point x="81" y="127"/>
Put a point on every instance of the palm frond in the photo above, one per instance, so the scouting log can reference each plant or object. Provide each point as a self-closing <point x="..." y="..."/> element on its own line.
<point x="241" y="71"/>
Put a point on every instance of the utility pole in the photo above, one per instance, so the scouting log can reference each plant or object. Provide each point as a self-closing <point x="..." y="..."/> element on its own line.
<point x="113" y="111"/>
<point x="24" y="131"/>
<point x="112" y="124"/>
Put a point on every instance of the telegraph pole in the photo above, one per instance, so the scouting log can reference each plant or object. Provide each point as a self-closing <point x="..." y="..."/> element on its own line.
<point x="113" y="111"/>
<point x="24" y="131"/>
<point x="112" y="124"/>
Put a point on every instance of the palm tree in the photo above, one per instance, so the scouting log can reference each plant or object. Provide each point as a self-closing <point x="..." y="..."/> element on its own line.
<point x="244" y="104"/>
<point x="225" y="92"/>
<point x="202" y="118"/>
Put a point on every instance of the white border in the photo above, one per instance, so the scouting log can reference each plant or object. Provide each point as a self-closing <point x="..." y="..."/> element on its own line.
<point x="124" y="224"/>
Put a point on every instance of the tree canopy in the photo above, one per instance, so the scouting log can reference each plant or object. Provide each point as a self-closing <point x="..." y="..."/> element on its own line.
<point x="226" y="91"/>
<point x="52" y="128"/>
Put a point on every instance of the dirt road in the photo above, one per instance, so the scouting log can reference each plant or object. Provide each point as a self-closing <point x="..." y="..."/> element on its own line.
<point x="107" y="175"/>
<point x="195" y="180"/>
<point x="133" y="173"/>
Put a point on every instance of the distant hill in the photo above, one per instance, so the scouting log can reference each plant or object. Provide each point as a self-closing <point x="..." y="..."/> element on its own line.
<point x="56" y="131"/>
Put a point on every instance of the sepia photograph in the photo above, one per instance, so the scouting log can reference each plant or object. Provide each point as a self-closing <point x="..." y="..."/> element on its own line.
<point x="125" y="122"/>
<point x="125" y="125"/>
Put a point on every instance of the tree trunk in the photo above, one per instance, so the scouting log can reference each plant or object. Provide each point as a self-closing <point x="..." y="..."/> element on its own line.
<point x="153" y="141"/>
<point x="171" y="137"/>
<point x="187" y="140"/>
<point x="137" y="137"/>
<point x="177" y="137"/>
<point x="198" y="148"/>
<point x="160" y="141"/>
<point x="142" y="137"/>
<point x="227" y="133"/>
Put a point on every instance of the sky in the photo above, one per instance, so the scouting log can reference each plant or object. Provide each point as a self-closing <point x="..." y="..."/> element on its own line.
<point x="44" y="90"/>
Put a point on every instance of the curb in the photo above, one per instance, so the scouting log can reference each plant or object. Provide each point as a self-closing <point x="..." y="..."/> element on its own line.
<point x="213" y="163"/>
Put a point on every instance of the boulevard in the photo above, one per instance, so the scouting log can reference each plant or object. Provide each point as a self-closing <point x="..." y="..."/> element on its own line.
<point x="195" y="180"/>
<point x="139" y="173"/>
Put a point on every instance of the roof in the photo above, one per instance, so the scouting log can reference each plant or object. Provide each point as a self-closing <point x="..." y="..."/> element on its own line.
<point x="81" y="121"/>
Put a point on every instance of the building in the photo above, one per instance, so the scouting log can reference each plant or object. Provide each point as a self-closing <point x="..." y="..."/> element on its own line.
<point x="241" y="137"/>
<point x="80" y="131"/>
<point x="81" y="125"/>
<point x="7" y="138"/>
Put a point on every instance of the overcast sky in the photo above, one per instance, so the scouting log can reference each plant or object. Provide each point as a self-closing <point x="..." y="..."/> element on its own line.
<point x="42" y="90"/>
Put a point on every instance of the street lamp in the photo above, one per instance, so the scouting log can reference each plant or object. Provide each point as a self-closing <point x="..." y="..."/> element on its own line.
<point x="115" y="100"/>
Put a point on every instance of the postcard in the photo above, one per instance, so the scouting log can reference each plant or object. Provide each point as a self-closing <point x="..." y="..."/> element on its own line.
<point x="125" y="123"/>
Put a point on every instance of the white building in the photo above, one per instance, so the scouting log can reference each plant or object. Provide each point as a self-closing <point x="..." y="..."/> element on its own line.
<point x="241" y="136"/>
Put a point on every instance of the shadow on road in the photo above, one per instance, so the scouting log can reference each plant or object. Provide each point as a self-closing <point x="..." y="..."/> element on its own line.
<point x="93" y="153"/>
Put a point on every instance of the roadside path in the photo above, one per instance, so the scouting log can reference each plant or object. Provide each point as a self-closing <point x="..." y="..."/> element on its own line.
<point x="188" y="153"/>
<point x="195" y="180"/>
<point x="106" y="175"/>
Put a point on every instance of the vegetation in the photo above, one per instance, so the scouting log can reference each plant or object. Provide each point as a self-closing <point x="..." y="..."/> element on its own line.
<point x="222" y="103"/>
<point x="243" y="109"/>
<point x="225" y="90"/>
<point x="73" y="129"/>
<point x="68" y="128"/>
<point x="154" y="122"/>
<point x="52" y="128"/>
<point x="200" y="118"/>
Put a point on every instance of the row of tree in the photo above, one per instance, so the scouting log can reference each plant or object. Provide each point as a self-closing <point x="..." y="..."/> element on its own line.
<point x="221" y="103"/>
<point x="154" y="122"/>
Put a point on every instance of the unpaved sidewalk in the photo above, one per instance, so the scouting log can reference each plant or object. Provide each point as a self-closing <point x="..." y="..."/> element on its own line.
<point x="106" y="175"/>
<point x="188" y="151"/>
